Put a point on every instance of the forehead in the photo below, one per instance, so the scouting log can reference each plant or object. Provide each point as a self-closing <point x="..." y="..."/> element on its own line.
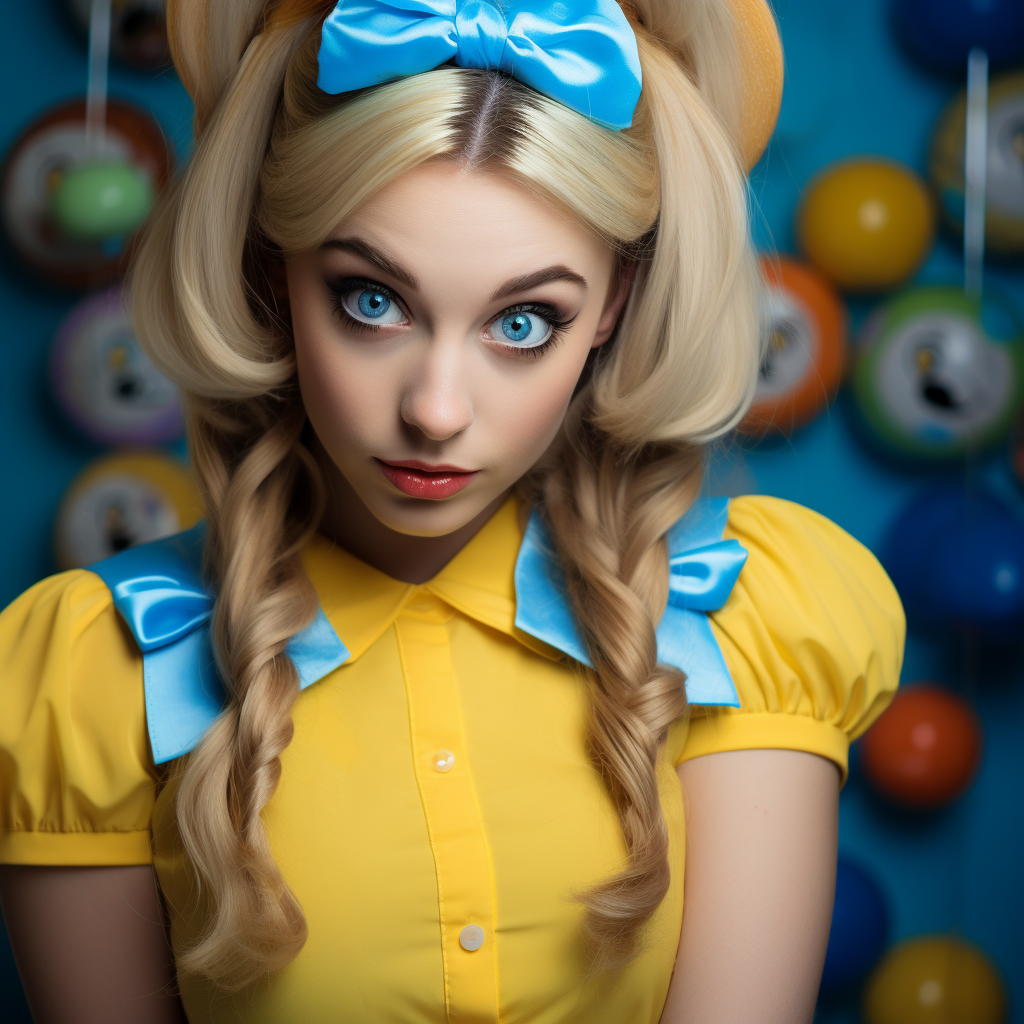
<point x="476" y="220"/>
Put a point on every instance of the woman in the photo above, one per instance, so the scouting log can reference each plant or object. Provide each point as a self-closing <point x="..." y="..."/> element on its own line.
<point x="458" y="294"/>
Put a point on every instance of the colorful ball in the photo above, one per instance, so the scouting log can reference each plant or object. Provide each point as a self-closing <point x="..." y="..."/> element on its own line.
<point x="122" y="500"/>
<point x="958" y="560"/>
<point x="806" y="352"/>
<point x="860" y="927"/>
<point x="1004" y="180"/>
<point x="924" y="751"/>
<point x="935" y="980"/>
<point x="50" y="148"/>
<point x="866" y="224"/>
<point x="138" y="30"/>
<point x="940" y="33"/>
<point x="104" y="381"/>
<point x="98" y="199"/>
<point x="938" y="375"/>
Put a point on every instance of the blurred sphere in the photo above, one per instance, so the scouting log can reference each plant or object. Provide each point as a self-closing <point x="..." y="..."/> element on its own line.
<point x="940" y="33"/>
<point x="866" y="224"/>
<point x="105" y="383"/>
<point x="119" y="501"/>
<point x="958" y="560"/>
<point x="101" y="199"/>
<point x="924" y="750"/>
<point x="935" y="980"/>
<point x="1004" y="177"/>
<point x="937" y="374"/>
<point x="50" y="148"/>
<point x="860" y="926"/>
<point x="138" y="30"/>
<point x="806" y="352"/>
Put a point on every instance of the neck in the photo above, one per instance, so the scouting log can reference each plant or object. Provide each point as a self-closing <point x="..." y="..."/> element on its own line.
<point x="352" y="526"/>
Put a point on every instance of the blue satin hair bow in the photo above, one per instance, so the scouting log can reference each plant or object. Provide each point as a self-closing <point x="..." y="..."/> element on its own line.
<point x="582" y="53"/>
<point x="158" y="590"/>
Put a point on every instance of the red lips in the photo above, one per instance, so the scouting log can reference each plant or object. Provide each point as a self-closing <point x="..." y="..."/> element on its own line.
<point x="420" y="480"/>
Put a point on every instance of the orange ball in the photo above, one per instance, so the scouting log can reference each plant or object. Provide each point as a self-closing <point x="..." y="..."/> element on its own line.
<point x="925" y="749"/>
<point x="867" y="224"/>
<point x="803" y="365"/>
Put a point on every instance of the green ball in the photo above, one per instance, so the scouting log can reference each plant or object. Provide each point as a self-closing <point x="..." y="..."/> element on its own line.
<point x="938" y="375"/>
<point x="101" y="199"/>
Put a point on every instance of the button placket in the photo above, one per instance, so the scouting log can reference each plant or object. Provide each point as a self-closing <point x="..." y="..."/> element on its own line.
<point x="462" y="857"/>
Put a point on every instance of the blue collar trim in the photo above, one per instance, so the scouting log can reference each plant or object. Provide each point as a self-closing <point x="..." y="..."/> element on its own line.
<point x="159" y="592"/>
<point x="703" y="569"/>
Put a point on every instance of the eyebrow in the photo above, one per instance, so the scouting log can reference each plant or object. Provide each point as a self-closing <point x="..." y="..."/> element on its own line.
<point x="381" y="260"/>
<point x="536" y="279"/>
<point x="370" y="253"/>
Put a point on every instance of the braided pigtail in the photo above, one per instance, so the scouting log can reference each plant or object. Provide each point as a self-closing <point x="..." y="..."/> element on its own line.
<point x="207" y="314"/>
<point x="263" y="500"/>
<point x="607" y="518"/>
<point x="628" y="463"/>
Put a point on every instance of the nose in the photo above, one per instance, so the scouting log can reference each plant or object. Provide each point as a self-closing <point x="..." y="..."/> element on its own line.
<point x="437" y="401"/>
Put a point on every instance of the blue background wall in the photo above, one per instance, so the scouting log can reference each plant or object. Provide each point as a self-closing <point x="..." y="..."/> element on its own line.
<point x="849" y="91"/>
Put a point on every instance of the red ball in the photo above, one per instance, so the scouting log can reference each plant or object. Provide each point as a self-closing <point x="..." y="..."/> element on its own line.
<point x="925" y="750"/>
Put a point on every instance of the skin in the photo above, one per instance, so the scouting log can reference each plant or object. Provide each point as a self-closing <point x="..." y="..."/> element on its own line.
<point x="441" y="385"/>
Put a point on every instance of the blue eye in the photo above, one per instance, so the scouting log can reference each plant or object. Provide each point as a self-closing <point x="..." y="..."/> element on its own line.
<point x="369" y="305"/>
<point x="522" y="330"/>
<point x="373" y="304"/>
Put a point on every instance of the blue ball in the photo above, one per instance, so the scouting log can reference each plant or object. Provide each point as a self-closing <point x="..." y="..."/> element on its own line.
<point x="940" y="33"/>
<point x="860" y="927"/>
<point x="958" y="560"/>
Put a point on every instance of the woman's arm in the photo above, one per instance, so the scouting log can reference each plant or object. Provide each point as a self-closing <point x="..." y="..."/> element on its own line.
<point x="760" y="879"/>
<point x="91" y="944"/>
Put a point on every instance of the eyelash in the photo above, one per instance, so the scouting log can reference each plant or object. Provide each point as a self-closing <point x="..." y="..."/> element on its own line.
<point x="559" y="324"/>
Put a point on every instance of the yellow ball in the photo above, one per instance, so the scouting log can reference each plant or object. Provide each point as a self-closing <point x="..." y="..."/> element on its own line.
<point x="121" y="500"/>
<point x="934" y="980"/>
<point x="867" y="224"/>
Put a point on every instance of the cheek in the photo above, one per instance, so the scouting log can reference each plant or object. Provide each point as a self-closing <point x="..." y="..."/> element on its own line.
<point x="527" y="417"/>
<point x="343" y="397"/>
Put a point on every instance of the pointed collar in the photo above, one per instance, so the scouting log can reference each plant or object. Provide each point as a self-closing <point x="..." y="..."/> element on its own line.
<point x="505" y="578"/>
<point x="509" y="578"/>
<point x="362" y="602"/>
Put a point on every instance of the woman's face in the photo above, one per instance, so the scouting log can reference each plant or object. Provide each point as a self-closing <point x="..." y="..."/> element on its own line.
<point x="440" y="331"/>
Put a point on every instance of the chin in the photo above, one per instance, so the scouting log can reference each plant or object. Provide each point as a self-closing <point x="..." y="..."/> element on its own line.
<point x="428" y="517"/>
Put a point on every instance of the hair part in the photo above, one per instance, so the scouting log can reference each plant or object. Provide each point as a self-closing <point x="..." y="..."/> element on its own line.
<point x="278" y="164"/>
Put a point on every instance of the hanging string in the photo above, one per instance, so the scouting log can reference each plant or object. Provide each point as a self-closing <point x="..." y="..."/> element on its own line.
<point x="975" y="173"/>
<point x="975" y="170"/>
<point x="96" y="91"/>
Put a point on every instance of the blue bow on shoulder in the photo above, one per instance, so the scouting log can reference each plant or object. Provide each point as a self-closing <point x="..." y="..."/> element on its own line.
<point x="158" y="591"/>
<point x="703" y="569"/>
<point x="582" y="53"/>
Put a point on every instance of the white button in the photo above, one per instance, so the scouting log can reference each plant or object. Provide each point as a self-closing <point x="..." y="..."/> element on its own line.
<point x="444" y="761"/>
<point x="471" y="937"/>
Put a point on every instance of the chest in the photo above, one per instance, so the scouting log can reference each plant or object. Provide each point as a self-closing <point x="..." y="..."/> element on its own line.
<point x="437" y="811"/>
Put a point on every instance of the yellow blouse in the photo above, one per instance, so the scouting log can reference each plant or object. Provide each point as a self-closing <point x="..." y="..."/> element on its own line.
<point x="439" y="779"/>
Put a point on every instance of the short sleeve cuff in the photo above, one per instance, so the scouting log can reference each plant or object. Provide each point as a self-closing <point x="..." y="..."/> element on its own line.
<point x="76" y="849"/>
<point x="716" y="733"/>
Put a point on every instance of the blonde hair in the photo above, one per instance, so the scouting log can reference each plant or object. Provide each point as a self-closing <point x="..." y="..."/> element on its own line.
<point x="277" y="165"/>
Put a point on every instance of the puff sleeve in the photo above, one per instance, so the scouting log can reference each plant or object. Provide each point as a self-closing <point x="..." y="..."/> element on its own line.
<point x="812" y="634"/>
<point x="77" y="784"/>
